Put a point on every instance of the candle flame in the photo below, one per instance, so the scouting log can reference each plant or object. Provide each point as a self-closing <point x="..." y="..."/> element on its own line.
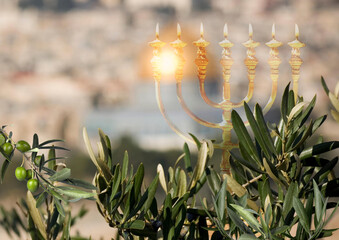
<point x="157" y="31"/>
<point x="178" y="31"/>
<point x="225" y="30"/>
<point x="273" y="31"/>
<point x="201" y="30"/>
<point x="296" y="31"/>
<point x="250" y="31"/>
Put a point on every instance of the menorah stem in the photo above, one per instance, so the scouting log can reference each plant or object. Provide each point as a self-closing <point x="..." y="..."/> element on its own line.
<point x="226" y="63"/>
<point x="226" y="114"/>
<point x="163" y="112"/>
<point x="204" y="96"/>
<point x="227" y="146"/>
<point x="227" y="91"/>
<point x="296" y="61"/>
<point x="225" y="161"/>
<point x="295" y="79"/>
<point x="190" y="113"/>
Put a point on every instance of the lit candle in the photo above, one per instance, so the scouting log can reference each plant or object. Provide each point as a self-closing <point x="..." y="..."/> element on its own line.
<point x="250" y="44"/>
<point x="250" y="31"/>
<point x="157" y="31"/>
<point x="226" y="44"/>
<point x="273" y="44"/>
<point x="274" y="60"/>
<point x="178" y="46"/>
<point x="178" y="31"/>
<point x="251" y="61"/>
<point x="201" y="43"/>
<point x="226" y="63"/>
<point x="225" y="31"/>
<point x="296" y="30"/>
<point x="201" y="60"/>
<point x="156" y="60"/>
<point x="295" y="60"/>
<point x="296" y="44"/>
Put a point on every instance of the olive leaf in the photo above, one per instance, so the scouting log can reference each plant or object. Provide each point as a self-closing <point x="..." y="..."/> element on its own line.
<point x="61" y="175"/>
<point x="100" y="164"/>
<point x="162" y="178"/>
<point x="201" y="164"/>
<point x="36" y="216"/>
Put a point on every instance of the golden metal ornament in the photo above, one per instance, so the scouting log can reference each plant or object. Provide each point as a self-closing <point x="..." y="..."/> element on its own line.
<point x="226" y="105"/>
<point x="296" y="61"/>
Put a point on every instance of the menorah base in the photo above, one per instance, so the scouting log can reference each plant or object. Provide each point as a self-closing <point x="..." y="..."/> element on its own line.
<point x="225" y="162"/>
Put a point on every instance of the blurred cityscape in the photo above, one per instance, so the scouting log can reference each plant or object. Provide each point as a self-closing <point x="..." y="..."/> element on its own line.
<point x="69" y="64"/>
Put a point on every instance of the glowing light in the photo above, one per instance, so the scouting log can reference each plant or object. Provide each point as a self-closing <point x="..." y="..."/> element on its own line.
<point x="273" y="31"/>
<point x="168" y="62"/>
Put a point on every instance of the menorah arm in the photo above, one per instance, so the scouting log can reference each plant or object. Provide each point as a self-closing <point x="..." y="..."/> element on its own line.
<point x="248" y="96"/>
<point x="270" y="101"/>
<point x="190" y="113"/>
<point x="272" y="97"/>
<point x="163" y="112"/>
<point x="204" y="96"/>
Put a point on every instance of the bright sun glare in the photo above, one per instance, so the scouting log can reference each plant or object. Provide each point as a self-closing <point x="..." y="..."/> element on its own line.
<point x="168" y="63"/>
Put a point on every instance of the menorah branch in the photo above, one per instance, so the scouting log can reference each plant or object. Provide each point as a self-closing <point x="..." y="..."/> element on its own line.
<point x="163" y="112"/>
<point x="206" y="98"/>
<point x="271" y="100"/>
<point x="190" y="113"/>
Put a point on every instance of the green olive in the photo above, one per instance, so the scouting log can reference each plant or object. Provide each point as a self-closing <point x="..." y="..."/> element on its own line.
<point x="23" y="146"/>
<point x="32" y="185"/>
<point x="29" y="173"/>
<point x="8" y="148"/>
<point x="20" y="173"/>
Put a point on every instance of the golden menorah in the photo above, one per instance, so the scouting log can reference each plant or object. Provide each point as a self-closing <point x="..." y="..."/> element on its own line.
<point x="226" y="105"/>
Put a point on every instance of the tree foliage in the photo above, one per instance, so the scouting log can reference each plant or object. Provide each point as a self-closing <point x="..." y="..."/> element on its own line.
<point x="280" y="179"/>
